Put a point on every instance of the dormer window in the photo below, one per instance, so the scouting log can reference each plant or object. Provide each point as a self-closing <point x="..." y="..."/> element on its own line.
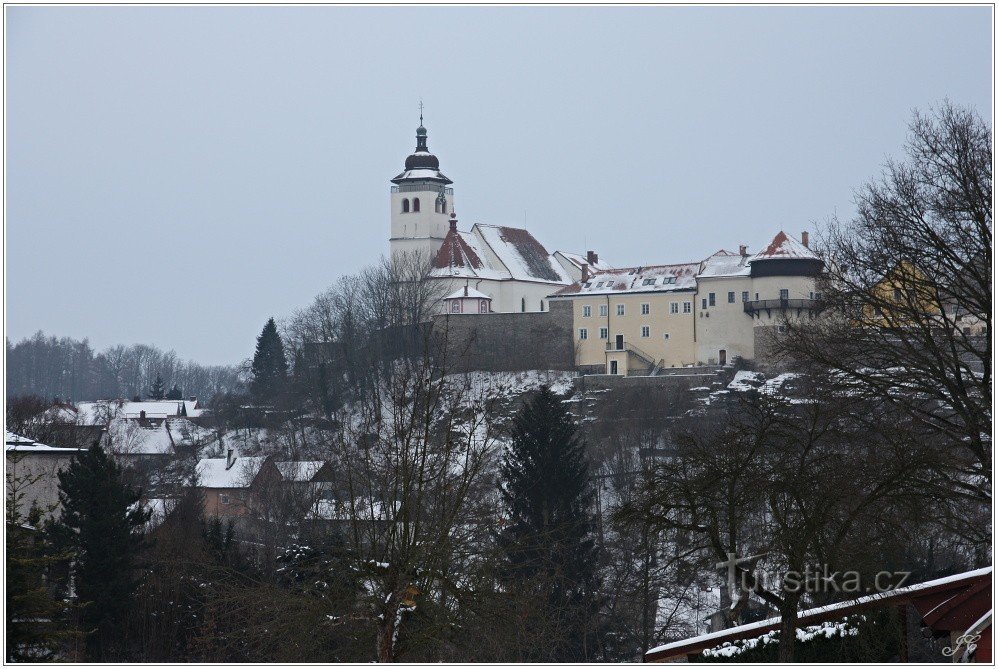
<point x="600" y="284"/>
<point x="648" y="282"/>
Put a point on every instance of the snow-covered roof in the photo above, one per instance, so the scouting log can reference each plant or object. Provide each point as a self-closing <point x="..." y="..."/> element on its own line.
<point x="99" y="412"/>
<point x="132" y="438"/>
<point x="212" y="472"/>
<point x="299" y="471"/>
<point x="421" y="173"/>
<point x="19" y="444"/>
<point x="468" y="292"/>
<point x="784" y="247"/>
<point x="521" y="254"/>
<point x="725" y="263"/>
<point x="581" y="261"/>
<point x="654" y="279"/>
<point x="803" y="616"/>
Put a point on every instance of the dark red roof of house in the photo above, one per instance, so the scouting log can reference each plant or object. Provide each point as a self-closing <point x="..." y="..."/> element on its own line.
<point x="455" y="252"/>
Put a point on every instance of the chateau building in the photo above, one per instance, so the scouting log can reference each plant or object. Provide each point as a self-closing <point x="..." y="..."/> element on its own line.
<point x="506" y="265"/>
<point x="639" y="320"/>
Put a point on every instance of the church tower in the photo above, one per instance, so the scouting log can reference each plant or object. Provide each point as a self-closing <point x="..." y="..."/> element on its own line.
<point x="421" y="202"/>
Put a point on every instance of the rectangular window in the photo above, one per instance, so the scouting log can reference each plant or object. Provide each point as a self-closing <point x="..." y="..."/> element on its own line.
<point x="620" y="309"/>
<point x="757" y="297"/>
<point x="587" y="311"/>
<point x="817" y="296"/>
<point x="687" y="307"/>
<point x="645" y="309"/>
<point x="665" y="336"/>
<point x="224" y="499"/>
<point x="784" y="294"/>
<point x="602" y="310"/>
<point x="703" y="303"/>
<point x="744" y="296"/>
<point x="673" y="307"/>
<point x="583" y="333"/>
<point x="897" y="295"/>
<point x="711" y="299"/>
<point x="455" y="307"/>
<point x="483" y="306"/>
<point x="604" y="333"/>
<point x="731" y="297"/>
<point x="645" y="331"/>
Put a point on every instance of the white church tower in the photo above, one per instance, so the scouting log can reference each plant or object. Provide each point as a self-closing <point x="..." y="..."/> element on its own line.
<point x="421" y="202"/>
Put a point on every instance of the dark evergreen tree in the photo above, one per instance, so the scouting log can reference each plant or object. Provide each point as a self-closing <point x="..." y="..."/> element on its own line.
<point x="548" y="541"/>
<point x="175" y="393"/>
<point x="270" y="366"/>
<point x="157" y="392"/>
<point x="101" y="522"/>
<point x="37" y="625"/>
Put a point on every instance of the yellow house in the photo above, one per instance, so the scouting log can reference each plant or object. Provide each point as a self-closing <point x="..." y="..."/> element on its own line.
<point x="640" y="320"/>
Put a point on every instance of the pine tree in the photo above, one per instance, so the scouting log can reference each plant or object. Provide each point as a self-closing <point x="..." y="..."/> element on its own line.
<point x="37" y="629"/>
<point x="157" y="391"/>
<point x="548" y="543"/>
<point x="175" y="393"/>
<point x="270" y="366"/>
<point x="101" y="522"/>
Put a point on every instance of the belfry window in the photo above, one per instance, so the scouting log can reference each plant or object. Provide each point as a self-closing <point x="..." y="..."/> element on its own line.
<point x="415" y="204"/>
<point x="405" y="205"/>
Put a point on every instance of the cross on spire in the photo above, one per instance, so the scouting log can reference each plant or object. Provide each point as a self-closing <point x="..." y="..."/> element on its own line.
<point x="420" y="111"/>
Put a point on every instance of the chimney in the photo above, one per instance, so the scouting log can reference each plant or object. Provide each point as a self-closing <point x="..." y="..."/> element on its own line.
<point x="142" y="415"/>
<point x="803" y="239"/>
<point x="592" y="258"/>
<point x="453" y="221"/>
<point x="585" y="273"/>
<point x="194" y="398"/>
<point x="230" y="459"/>
<point x="743" y="250"/>
<point x="466" y="290"/>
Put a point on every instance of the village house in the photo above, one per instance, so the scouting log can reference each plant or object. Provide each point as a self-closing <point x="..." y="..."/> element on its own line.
<point x="506" y="264"/>
<point x="32" y="471"/>
<point x="639" y="320"/>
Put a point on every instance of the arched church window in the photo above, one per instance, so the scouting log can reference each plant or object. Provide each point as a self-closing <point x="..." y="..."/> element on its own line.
<point x="405" y="205"/>
<point x="415" y="204"/>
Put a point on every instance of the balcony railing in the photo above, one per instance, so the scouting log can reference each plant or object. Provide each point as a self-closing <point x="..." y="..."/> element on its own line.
<point x="769" y="305"/>
<point x="628" y="346"/>
<point x="423" y="188"/>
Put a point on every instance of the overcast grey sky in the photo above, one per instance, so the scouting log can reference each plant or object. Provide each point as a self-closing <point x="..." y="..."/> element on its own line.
<point x="177" y="175"/>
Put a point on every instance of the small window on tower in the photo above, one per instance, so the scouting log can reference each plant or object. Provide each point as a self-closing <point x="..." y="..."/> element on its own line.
<point x="405" y="205"/>
<point x="415" y="204"/>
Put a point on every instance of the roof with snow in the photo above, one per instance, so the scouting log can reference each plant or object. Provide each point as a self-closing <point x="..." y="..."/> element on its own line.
<point x="299" y="471"/>
<point x="581" y="261"/>
<point x="784" y="247"/>
<point x="19" y="444"/>
<point x="101" y="411"/>
<point x="653" y="279"/>
<point x="498" y="253"/>
<point x="467" y="292"/>
<point x="421" y="164"/>
<point x="725" y="263"/>
<point x="214" y="473"/>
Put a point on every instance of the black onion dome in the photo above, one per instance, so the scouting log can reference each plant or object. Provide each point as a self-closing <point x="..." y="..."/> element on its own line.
<point x="422" y="160"/>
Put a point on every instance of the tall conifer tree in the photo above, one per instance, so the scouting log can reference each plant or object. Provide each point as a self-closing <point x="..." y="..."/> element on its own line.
<point x="158" y="390"/>
<point x="270" y="366"/>
<point x="101" y="522"/>
<point x="548" y="543"/>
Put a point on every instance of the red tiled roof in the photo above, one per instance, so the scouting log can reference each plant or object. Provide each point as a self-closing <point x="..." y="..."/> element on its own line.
<point x="455" y="252"/>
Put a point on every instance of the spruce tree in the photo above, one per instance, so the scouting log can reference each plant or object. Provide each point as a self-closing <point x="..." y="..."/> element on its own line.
<point x="175" y="393"/>
<point x="37" y="628"/>
<point x="157" y="392"/>
<point x="548" y="540"/>
<point x="101" y="522"/>
<point x="270" y="366"/>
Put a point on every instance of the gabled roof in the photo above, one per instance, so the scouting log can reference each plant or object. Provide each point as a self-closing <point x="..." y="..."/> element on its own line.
<point x="212" y="472"/>
<point x="725" y="263"/>
<point x="581" y="261"/>
<point x="467" y="291"/>
<point x="784" y="247"/>
<point x="300" y="470"/>
<point x="97" y="413"/>
<point x="653" y="279"/>
<point x="521" y="254"/>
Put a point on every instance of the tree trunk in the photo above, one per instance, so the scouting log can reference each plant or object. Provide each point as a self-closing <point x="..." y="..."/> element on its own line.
<point x="788" y="627"/>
